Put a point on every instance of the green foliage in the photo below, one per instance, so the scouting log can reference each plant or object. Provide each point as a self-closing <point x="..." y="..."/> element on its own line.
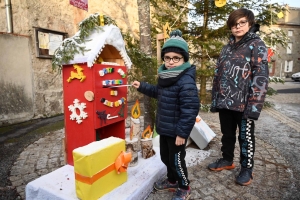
<point x="142" y="65"/>
<point x="75" y="45"/>
<point x="205" y="107"/>
<point x="268" y="104"/>
<point x="271" y="91"/>
<point x="206" y="31"/>
<point x="91" y="23"/>
<point x="66" y="52"/>
<point x="208" y="72"/>
<point x="274" y="79"/>
<point x="274" y="37"/>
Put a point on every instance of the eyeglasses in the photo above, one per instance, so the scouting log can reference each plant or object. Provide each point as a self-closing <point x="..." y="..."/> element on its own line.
<point x="175" y="59"/>
<point x="241" y="24"/>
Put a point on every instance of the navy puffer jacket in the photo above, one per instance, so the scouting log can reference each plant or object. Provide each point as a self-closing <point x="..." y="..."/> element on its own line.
<point x="177" y="104"/>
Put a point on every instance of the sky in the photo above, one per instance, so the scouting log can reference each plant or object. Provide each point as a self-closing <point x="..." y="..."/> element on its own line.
<point x="292" y="3"/>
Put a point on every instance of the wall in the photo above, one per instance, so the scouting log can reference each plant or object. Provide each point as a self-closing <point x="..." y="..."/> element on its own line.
<point x="45" y="93"/>
<point x="16" y="96"/>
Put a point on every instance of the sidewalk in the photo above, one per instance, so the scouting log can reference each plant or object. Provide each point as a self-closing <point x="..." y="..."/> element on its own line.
<point x="272" y="174"/>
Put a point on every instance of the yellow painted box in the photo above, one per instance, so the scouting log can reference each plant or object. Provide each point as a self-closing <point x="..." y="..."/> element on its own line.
<point x="95" y="170"/>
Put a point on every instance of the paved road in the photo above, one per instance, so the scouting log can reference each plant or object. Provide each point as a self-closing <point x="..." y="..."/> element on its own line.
<point x="277" y="158"/>
<point x="276" y="173"/>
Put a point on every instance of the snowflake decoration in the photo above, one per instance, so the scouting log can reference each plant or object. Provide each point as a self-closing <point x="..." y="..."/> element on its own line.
<point x="80" y="107"/>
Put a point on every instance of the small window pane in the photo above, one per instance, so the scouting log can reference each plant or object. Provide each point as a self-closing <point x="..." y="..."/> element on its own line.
<point x="290" y="33"/>
<point x="289" y="48"/>
<point x="288" y="66"/>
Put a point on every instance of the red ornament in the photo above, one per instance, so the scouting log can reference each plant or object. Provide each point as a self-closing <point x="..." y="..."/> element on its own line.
<point x="270" y="54"/>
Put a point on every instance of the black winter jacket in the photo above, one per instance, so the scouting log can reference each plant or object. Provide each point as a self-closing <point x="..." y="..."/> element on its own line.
<point x="177" y="104"/>
<point x="241" y="76"/>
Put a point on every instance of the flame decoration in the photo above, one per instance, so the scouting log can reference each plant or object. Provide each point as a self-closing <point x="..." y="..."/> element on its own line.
<point x="147" y="134"/>
<point x="136" y="110"/>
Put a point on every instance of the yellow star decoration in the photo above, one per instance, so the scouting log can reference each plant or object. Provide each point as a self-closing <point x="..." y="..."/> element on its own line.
<point x="280" y="15"/>
<point x="166" y="30"/>
<point x="220" y="3"/>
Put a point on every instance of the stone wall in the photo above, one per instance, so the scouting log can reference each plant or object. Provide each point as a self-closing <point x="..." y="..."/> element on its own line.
<point x="59" y="15"/>
<point x="282" y="56"/>
<point x="290" y="22"/>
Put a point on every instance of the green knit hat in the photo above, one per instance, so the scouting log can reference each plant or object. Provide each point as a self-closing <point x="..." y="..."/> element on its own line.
<point x="176" y="44"/>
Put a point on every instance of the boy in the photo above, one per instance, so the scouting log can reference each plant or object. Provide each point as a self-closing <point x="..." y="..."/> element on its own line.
<point x="177" y="109"/>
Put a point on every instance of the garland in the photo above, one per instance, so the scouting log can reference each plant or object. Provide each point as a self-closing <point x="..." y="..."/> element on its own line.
<point x="74" y="45"/>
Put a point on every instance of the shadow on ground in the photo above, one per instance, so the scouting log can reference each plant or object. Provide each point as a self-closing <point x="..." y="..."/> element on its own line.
<point x="13" y="140"/>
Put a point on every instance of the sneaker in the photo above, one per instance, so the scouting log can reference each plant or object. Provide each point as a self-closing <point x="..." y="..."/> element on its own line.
<point x="245" y="177"/>
<point x="221" y="164"/>
<point x="181" y="194"/>
<point x="165" y="185"/>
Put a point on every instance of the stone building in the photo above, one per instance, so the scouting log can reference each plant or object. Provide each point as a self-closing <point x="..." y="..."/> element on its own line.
<point x="287" y="60"/>
<point x="29" y="87"/>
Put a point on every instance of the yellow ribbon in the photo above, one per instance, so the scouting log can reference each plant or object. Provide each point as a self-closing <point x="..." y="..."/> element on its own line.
<point x="120" y="165"/>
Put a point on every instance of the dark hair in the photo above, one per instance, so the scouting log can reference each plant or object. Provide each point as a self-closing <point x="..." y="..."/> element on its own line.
<point x="239" y="13"/>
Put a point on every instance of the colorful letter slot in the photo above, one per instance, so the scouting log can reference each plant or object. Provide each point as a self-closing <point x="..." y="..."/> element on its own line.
<point x="100" y="167"/>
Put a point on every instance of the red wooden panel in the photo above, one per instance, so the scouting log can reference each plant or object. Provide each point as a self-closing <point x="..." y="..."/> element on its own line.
<point x="102" y="92"/>
<point x="78" y="135"/>
<point x="116" y="129"/>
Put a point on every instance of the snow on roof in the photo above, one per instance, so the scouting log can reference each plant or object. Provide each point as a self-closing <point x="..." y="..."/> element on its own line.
<point x="96" y="41"/>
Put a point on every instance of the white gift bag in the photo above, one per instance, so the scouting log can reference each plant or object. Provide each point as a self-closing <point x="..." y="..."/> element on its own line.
<point x="201" y="133"/>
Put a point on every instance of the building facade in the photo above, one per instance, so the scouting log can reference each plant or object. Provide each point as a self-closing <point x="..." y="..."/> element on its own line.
<point x="29" y="87"/>
<point x="286" y="60"/>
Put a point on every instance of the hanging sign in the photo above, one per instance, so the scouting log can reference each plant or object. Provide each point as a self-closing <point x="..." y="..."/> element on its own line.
<point x="82" y="4"/>
<point x="220" y="3"/>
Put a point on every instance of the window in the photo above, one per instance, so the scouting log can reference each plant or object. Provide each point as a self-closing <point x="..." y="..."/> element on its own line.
<point x="288" y="66"/>
<point x="289" y="48"/>
<point x="290" y="33"/>
<point x="47" y="41"/>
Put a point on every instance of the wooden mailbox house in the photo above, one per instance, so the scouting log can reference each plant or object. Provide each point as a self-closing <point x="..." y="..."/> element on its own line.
<point x="93" y="108"/>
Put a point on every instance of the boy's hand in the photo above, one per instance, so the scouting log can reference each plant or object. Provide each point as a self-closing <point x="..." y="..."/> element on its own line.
<point x="179" y="141"/>
<point x="136" y="84"/>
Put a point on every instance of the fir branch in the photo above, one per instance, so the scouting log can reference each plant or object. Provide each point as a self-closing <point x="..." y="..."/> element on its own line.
<point x="66" y="52"/>
<point x="75" y="45"/>
<point x="89" y="24"/>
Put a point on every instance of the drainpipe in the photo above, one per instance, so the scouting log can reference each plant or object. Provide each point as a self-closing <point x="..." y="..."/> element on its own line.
<point x="8" y="16"/>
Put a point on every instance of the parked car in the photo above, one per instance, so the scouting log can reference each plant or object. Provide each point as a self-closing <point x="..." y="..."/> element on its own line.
<point x="296" y="76"/>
